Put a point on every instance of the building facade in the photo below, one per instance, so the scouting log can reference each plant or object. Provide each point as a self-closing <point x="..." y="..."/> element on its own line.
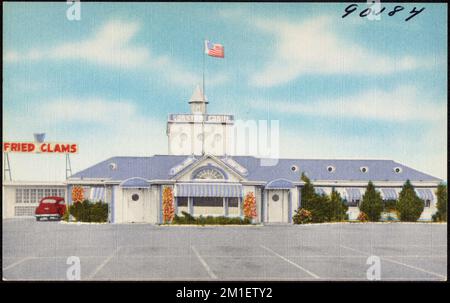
<point x="206" y="180"/>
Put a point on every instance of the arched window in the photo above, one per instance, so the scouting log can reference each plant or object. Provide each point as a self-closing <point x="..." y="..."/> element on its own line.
<point x="208" y="173"/>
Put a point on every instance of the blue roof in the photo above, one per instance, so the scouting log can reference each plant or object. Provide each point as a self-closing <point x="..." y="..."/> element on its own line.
<point x="158" y="168"/>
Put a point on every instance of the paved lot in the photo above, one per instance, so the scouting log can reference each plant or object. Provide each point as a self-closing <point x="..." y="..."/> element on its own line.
<point x="39" y="251"/>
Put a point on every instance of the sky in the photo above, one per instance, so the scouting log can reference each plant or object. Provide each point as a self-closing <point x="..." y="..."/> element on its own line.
<point x="340" y="87"/>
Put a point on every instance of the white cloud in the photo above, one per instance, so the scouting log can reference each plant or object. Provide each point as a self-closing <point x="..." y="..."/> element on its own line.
<point x="112" y="45"/>
<point x="402" y="104"/>
<point x="312" y="47"/>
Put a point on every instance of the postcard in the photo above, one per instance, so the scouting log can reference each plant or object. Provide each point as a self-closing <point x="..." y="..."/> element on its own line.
<point x="157" y="141"/>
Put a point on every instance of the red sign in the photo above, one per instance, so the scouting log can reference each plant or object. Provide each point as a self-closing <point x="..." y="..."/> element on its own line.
<point x="45" y="147"/>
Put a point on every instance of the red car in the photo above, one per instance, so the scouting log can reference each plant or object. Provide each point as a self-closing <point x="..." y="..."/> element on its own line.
<point x="50" y="208"/>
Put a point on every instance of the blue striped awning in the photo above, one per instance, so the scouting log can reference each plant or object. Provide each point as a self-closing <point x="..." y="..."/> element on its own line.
<point x="353" y="194"/>
<point x="424" y="194"/>
<point x="208" y="190"/>
<point x="97" y="194"/>
<point x="319" y="190"/>
<point x="389" y="194"/>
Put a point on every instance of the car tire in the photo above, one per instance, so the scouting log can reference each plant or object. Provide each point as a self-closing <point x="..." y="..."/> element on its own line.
<point x="38" y="219"/>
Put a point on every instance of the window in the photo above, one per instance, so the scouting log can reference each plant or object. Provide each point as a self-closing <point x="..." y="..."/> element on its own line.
<point x="135" y="197"/>
<point x="54" y="192"/>
<point x="208" y="206"/>
<point x="182" y="205"/>
<point x="233" y="207"/>
<point x="47" y="192"/>
<point x="40" y="194"/>
<point x="21" y="211"/>
<point x="427" y="203"/>
<point x="26" y="196"/>
<point x="330" y="168"/>
<point x="208" y="173"/>
<point x="364" y="169"/>
<point x="33" y="196"/>
<point x="275" y="197"/>
<point x="19" y="196"/>
<point x="49" y="201"/>
<point x="294" y="168"/>
<point x="397" y="170"/>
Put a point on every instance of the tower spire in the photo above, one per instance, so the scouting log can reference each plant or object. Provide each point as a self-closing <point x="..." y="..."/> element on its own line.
<point x="198" y="101"/>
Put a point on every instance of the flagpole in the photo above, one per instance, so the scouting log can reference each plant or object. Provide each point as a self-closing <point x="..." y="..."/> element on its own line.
<point x="204" y="98"/>
<point x="204" y="55"/>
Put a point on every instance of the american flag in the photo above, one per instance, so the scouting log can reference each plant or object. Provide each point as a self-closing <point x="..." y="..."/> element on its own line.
<point x="214" y="49"/>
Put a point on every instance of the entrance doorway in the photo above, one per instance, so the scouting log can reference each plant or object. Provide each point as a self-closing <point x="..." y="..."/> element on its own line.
<point x="135" y="203"/>
<point x="277" y="206"/>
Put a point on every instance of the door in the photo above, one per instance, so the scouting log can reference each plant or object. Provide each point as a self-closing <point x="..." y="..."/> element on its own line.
<point x="275" y="206"/>
<point x="135" y="203"/>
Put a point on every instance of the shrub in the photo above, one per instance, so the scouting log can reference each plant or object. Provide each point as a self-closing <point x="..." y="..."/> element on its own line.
<point x="372" y="203"/>
<point x="250" y="206"/>
<point x="302" y="216"/>
<point x="441" y="194"/>
<point x="409" y="206"/>
<point x="323" y="208"/>
<point x="338" y="208"/>
<point x="89" y="212"/>
<point x="186" y="218"/>
<point x="363" y="217"/>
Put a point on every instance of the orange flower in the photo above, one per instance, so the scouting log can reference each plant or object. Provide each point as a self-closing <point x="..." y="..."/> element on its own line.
<point x="250" y="205"/>
<point x="168" y="206"/>
<point x="77" y="194"/>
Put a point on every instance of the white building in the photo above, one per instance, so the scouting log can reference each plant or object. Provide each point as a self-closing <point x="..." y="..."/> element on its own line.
<point x="207" y="180"/>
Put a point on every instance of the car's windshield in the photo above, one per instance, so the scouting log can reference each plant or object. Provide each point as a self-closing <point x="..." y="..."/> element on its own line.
<point x="49" y="201"/>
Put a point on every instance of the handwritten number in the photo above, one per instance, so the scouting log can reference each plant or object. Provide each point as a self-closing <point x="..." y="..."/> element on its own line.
<point x="414" y="12"/>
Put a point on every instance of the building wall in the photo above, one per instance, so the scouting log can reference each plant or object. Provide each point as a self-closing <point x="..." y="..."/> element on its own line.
<point x="184" y="138"/>
<point x="12" y="209"/>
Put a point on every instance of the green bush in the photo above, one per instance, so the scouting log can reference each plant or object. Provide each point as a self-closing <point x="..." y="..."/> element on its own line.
<point x="323" y="208"/>
<point x="338" y="208"/>
<point x="87" y="211"/>
<point x="187" y="218"/>
<point x="372" y="203"/>
<point x="441" y="205"/>
<point x="409" y="205"/>
<point x="302" y="216"/>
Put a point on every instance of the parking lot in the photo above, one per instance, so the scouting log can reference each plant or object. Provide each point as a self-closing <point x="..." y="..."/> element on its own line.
<point x="40" y="250"/>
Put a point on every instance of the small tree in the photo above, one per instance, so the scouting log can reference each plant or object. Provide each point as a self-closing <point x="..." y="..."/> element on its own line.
<point x="250" y="205"/>
<point x="338" y="208"/>
<point x="372" y="203"/>
<point x="308" y="193"/>
<point x="168" y="206"/>
<point x="441" y="194"/>
<point x="409" y="205"/>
